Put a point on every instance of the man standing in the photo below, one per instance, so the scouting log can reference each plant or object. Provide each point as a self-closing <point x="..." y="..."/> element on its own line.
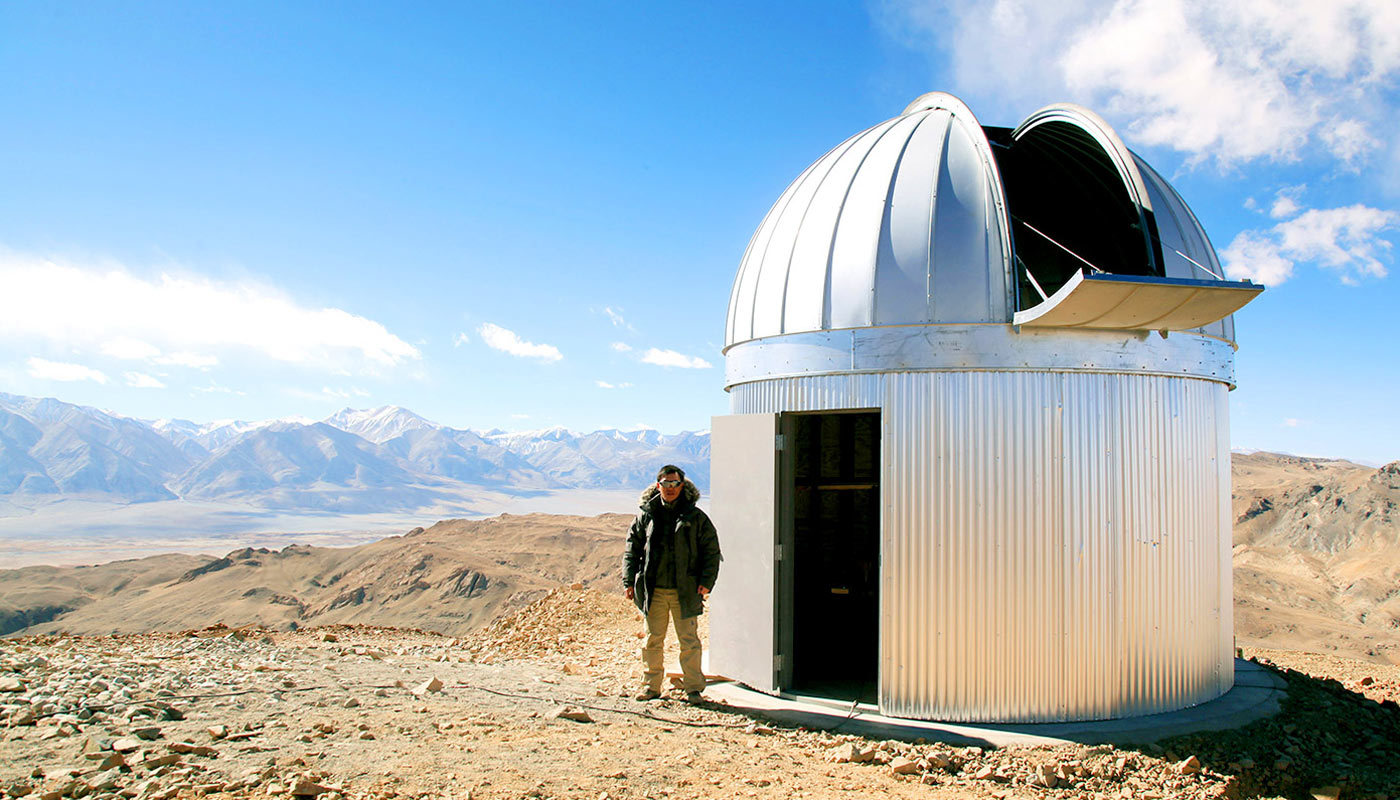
<point x="670" y="566"/>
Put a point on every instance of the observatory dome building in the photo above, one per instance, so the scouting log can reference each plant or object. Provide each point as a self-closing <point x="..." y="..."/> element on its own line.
<point x="977" y="466"/>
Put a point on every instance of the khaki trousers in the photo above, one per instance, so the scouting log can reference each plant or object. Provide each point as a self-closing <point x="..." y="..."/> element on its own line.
<point x="666" y="604"/>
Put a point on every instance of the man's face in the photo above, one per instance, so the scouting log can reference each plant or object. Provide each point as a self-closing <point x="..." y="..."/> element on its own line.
<point x="670" y="486"/>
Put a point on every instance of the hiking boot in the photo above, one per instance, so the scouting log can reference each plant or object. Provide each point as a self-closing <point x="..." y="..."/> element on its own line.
<point x="647" y="694"/>
<point x="694" y="697"/>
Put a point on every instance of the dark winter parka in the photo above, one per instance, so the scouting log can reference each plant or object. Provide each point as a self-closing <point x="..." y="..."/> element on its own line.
<point x="696" y="551"/>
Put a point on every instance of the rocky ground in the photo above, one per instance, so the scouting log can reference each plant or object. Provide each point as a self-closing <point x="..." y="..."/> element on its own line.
<point x="538" y="705"/>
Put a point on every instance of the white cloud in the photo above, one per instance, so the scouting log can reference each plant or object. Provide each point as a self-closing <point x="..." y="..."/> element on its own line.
<point x="498" y="338"/>
<point x="130" y="349"/>
<point x="460" y="340"/>
<point x="62" y="371"/>
<point x="140" y="380"/>
<point x="131" y="317"/>
<point x="670" y="358"/>
<point x="1233" y="81"/>
<point x="622" y="347"/>
<point x="1348" y="240"/>
<point x="1292" y="422"/>
<point x="1286" y="203"/>
<point x="215" y="388"/>
<point x="519" y="416"/>
<point x="606" y="385"/>
<point x="329" y="393"/>
<point x="615" y="316"/>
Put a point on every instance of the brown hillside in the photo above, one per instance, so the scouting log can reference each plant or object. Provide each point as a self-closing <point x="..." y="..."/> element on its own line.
<point x="1317" y="555"/>
<point x="451" y="578"/>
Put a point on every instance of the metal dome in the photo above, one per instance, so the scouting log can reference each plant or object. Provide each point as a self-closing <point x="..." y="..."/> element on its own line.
<point x="930" y="218"/>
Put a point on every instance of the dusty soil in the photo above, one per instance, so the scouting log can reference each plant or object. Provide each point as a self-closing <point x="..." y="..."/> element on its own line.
<point x="539" y="705"/>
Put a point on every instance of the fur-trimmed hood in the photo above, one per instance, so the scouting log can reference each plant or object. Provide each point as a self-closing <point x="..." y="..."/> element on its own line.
<point x="689" y="491"/>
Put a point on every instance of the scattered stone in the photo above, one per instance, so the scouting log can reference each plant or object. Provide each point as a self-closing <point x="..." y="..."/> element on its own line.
<point x="428" y="687"/>
<point x="1044" y="775"/>
<point x="903" y="766"/>
<point x="1190" y="766"/>
<point x="1326" y="792"/>
<point x="192" y="748"/>
<point x="986" y="773"/>
<point x="352" y="703"/>
<point x="850" y="752"/>
<point x="112" y="761"/>
<point x="571" y="713"/>
<point x="158" y="761"/>
<point x="105" y="781"/>
<point x="303" y="787"/>
<point x="366" y="735"/>
<point x="217" y="731"/>
<point x="10" y="683"/>
<point x="126" y="744"/>
<point x="149" y="733"/>
<point x="329" y="637"/>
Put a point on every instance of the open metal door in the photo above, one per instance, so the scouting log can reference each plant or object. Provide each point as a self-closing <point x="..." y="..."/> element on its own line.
<point x="1132" y="302"/>
<point x="744" y="508"/>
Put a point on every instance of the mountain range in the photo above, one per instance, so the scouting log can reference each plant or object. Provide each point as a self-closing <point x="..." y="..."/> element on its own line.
<point x="385" y="459"/>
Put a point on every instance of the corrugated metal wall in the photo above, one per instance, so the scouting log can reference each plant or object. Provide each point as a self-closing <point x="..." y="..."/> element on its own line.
<point x="1055" y="545"/>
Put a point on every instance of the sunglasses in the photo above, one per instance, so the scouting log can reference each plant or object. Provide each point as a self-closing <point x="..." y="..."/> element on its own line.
<point x="669" y="484"/>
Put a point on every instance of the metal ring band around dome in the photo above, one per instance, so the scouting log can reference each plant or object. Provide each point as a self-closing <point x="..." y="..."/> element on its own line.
<point x="981" y="347"/>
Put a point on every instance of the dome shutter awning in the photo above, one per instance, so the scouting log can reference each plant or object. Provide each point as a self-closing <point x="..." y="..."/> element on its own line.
<point x="1089" y="249"/>
<point x="1134" y="302"/>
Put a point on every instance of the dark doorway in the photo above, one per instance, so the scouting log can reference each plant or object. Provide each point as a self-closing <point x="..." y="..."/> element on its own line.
<point x="834" y="577"/>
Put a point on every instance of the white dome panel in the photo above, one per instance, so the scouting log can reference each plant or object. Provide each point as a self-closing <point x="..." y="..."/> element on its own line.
<point x="902" y="283"/>
<point x="851" y="242"/>
<point x="930" y="219"/>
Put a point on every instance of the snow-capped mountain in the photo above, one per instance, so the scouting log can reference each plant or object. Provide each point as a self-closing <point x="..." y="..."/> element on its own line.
<point x="379" y="424"/>
<point x="354" y="460"/>
<point x="51" y="447"/>
<point x="213" y="435"/>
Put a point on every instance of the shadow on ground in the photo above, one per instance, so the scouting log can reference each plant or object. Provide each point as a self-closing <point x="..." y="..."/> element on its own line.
<point x="1325" y="735"/>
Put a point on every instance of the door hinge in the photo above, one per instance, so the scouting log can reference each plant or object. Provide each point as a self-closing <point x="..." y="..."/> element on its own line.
<point x="778" y="662"/>
<point x="779" y="442"/>
<point x="777" y="552"/>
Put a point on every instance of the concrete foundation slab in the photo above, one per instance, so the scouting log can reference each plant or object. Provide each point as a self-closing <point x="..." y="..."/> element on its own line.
<point x="1257" y="694"/>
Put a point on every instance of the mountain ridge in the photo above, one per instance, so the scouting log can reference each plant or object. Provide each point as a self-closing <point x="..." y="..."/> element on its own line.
<point x="386" y="458"/>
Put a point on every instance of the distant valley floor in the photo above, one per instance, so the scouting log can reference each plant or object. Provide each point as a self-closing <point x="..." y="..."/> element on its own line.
<point x="76" y="532"/>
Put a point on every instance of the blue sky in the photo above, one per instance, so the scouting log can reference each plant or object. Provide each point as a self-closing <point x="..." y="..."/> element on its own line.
<point x="521" y="215"/>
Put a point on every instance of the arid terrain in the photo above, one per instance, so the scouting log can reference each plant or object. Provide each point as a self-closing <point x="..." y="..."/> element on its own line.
<point x="1317" y="555"/>
<point x="538" y="706"/>
<point x="451" y="578"/>
<point x="496" y="659"/>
